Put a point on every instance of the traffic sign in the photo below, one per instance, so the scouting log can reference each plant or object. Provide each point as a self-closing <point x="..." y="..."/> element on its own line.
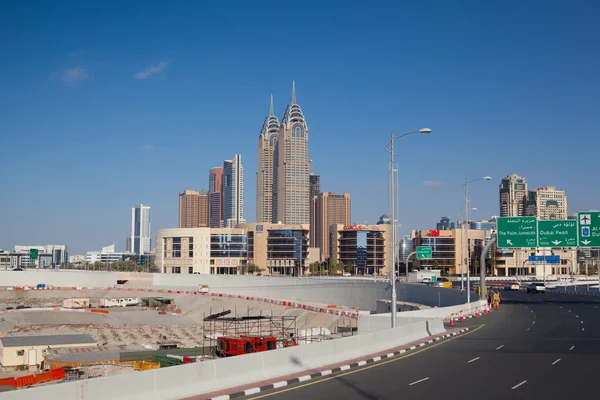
<point x="589" y="229"/>
<point x="424" y="252"/>
<point x="546" y="259"/>
<point x="33" y="254"/>
<point x="517" y="232"/>
<point x="552" y="259"/>
<point x="561" y="233"/>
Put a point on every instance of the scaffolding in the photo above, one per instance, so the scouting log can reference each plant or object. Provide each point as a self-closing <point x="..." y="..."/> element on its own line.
<point x="282" y="328"/>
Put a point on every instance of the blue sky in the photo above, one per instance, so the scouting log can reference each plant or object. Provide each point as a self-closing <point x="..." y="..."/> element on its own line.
<point x="107" y="104"/>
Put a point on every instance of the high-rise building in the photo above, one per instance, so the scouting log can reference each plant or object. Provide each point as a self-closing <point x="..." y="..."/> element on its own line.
<point x="384" y="219"/>
<point x="233" y="192"/>
<point x="444" y="224"/>
<point x="547" y="203"/>
<point x="315" y="189"/>
<point x="293" y="167"/>
<point x="513" y="196"/>
<point x="329" y="209"/>
<point x="315" y="185"/>
<point x="266" y="176"/>
<point x="140" y="242"/>
<point x="215" y="197"/>
<point x="193" y="209"/>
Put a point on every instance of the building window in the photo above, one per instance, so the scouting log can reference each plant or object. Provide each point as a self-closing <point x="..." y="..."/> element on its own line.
<point x="176" y="246"/>
<point x="190" y="270"/>
<point x="177" y="240"/>
<point x="176" y="270"/>
<point x="191" y="254"/>
<point x="191" y="239"/>
<point x="20" y="352"/>
<point x="176" y="254"/>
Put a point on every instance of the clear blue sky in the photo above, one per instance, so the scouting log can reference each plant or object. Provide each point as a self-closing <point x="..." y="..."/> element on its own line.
<point x="105" y="104"/>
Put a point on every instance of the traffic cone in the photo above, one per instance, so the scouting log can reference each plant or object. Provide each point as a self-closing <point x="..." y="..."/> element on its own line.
<point x="451" y="321"/>
<point x="462" y="319"/>
<point x="476" y="315"/>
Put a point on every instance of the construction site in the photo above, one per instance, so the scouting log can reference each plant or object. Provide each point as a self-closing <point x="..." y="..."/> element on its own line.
<point x="138" y="331"/>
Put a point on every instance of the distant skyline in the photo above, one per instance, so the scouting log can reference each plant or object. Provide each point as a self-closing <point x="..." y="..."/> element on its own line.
<point x="105" y="105"/>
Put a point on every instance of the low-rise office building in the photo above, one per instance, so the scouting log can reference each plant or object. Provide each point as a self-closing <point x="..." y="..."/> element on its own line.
<point x="278" y="249"/>
<point x="366" y="248"/>
<point x="201" y="250"/>
<point x="447" y="248"/>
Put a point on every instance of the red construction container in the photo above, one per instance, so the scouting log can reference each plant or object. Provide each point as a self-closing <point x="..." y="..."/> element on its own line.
<point x="229" y="346"/>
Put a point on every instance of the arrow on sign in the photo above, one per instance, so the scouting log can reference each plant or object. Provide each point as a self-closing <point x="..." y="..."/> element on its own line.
<point x="556" y="242"/>
<point x="508" y="241"/>
<point x="586" y="242"/>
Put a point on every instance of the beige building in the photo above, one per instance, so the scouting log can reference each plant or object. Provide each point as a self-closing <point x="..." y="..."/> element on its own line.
<point x="513" y="262"/>
<point x="193" y="209"/>
<point x="28" y="350"/>
<point x="293" y="168"/>
<point x="266" y="176"/>
<point x="513" y="196"/>
<point x="547" y="203"/>
<point x="366" y="248"/>
<point x="278" y="249"/>
<point x="201" y="250"/>
<point x="328" y="209"/>
<point x="448" y="250"/>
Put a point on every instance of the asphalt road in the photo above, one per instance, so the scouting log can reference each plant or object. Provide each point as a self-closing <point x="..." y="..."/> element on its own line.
<point x="540" y="346"/>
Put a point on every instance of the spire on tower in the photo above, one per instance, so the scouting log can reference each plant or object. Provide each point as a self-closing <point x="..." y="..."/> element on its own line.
<point x="293" y="92"/>
<point x="272" y="113"/>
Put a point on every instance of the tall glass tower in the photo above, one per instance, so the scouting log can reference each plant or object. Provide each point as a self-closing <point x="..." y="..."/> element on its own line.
<point x="140" y="229"/>
<point x="266" y="176"/>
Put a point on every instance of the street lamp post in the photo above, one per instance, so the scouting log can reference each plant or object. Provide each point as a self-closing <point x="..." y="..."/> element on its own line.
<point x="390" y="148"/>
<point x="466" y="235"/>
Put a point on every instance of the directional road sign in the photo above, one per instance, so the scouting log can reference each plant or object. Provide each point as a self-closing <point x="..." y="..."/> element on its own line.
<point x="589" y="229"/>
<point x="424" y="252"/>
<point x="546" y="259"/>
<point x="517" y="232"/>
<point x="33" y="254"/>
<point x="561" y="233"/>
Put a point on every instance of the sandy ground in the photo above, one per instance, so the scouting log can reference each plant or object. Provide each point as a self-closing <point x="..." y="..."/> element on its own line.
<point x="135" y="326"/>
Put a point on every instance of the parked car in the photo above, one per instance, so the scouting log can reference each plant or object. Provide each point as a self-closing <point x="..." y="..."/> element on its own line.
<point x="536" y="287"/>
<point x="512" y="286"/>
<point x="347" y="274"/>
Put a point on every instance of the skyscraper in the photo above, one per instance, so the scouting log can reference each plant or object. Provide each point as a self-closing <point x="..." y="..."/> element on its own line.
<point x="329" y="209"/>
<point x="315" y="189"/>
<point x="140" y="229"/>
<point x="547" y="203"/>
<point x="193" y="209"/>
<point x="315" y="185"/>
<point x="513" y="196"/>
<point x="233" y="192"/>
<point x="215" y="197"/>
<point x="444" y="224"/>
<point x="293" y="170"/>
<point x="266" y="176"/>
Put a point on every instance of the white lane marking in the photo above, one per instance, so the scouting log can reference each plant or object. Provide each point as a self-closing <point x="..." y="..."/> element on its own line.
<point x="583" y="329"/>
<point x="569" y="310"/>
<point x="475" y="359"/>
<point x="595" y="306"/>
<point x="556" y="362"/>
<point x="572" y="347"/>
<point x="534" y="322"/>
<point x="419" y="381"/>
<point x="527" y="329"/>
<point x="499" y="347"/>
<point x="516" y="386"/>
<point x="582" y="322"/>
<point x="577" y="316"/>
<point x="560" y="306"/>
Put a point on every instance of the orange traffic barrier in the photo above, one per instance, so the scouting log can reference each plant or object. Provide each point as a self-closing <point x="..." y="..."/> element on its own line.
<point x="95" y="310"/>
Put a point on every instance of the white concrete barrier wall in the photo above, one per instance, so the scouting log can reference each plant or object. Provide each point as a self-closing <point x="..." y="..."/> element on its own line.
<point x="208" y="376"/>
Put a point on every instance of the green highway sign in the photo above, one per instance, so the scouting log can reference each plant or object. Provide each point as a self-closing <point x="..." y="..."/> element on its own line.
<point x="589" y="229"/>
<point x="561" y="233"/>
<point x="516" y="232"/>
<point x="33" y="254"/>
<point x="424" y="252"/>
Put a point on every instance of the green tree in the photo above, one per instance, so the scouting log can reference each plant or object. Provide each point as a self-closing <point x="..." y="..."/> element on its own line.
<point x="315" y="268"/>
<point x="253" y="268"/>
<point x="339" y="267"/>
<point x="436" y="264"/>
<point x="348" y="267"/>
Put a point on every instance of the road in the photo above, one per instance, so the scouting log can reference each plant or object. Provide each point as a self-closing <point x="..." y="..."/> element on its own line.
<point x="541" y="346"/>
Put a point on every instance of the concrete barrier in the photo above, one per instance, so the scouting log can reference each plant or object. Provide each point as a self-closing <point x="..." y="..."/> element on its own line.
<point x="211" y="375"/>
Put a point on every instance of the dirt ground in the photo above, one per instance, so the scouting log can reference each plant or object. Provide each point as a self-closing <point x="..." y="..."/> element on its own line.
<point x="138" y="327"/>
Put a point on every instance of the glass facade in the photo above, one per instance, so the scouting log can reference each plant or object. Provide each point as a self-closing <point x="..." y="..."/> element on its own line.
<point x="286" y="251"/>
<point x="228" y="246"/>
<point x="363" y="250"/>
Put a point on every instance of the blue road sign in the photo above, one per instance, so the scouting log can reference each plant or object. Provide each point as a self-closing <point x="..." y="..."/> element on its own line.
<point x="552" y="259"/>
<point x="536" y="258"/>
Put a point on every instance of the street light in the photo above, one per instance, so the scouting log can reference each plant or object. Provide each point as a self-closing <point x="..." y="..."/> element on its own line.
<point x="466" y="236"/>
<point x="390" y="149"/>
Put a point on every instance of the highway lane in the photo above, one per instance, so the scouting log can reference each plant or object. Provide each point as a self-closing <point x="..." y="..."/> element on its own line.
<point x="542" y="346"/>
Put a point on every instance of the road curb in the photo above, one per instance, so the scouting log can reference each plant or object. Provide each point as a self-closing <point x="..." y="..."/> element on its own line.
<point x="326" y="372"/>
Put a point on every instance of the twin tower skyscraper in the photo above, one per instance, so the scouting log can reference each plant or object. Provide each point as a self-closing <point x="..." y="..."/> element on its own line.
<point x="282" y="180"/>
